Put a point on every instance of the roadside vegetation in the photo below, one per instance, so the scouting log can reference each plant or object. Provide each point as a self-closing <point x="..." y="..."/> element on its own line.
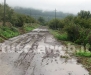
<point x="75" y="29"/>
<point x="15" y="24"/>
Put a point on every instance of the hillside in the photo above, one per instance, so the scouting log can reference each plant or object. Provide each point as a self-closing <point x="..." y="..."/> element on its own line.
<point x="48" y="15"/>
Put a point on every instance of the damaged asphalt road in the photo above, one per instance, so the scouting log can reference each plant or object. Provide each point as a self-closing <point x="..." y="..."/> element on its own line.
<point x="33" y="54"/>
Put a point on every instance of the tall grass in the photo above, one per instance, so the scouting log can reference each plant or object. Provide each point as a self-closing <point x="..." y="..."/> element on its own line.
<point x="30" y="27"/>
<point x="83" y="53"/>
<point x="60" y="36"/>
<point x="8" y="32"/>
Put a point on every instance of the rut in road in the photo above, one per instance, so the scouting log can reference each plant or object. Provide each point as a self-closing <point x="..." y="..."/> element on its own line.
<point x="35" y="53"/>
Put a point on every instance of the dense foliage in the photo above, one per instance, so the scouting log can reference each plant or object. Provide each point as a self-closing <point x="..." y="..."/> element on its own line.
<point x="78" y="28"/>
<point x="15" y="24"/>
<point x="41" y="20"/>
<point x="15" y="19"/>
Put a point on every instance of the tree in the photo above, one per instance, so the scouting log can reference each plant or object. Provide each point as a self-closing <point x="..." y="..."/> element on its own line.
<point x="84" y="14"/>
<point x="41" y="20"/>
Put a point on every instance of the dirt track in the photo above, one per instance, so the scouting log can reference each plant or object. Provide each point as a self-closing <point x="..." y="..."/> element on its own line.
<point x="29" y="54"/>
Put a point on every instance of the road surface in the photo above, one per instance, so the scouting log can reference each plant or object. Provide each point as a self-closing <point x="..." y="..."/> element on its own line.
<point x="35" y="53"/>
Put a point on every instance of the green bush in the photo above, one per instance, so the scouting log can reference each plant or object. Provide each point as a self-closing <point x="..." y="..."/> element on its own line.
<point x="61" y="24"/>
<point x="86" y="23"/>
<point x="56" y="24"/>
<point x="83" y="35"/>
<point x="88" y="39"/>
<point x="73" y="31"/>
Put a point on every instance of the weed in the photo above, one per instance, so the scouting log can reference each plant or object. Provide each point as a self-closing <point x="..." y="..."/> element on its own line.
<point x="60" y="36"/>
<point x="84" y="54"/>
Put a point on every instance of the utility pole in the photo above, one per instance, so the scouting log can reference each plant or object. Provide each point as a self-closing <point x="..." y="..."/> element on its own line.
<point x="4" y="12"/>
<point x="30" y="12"/>
<point x="55" y="19"/>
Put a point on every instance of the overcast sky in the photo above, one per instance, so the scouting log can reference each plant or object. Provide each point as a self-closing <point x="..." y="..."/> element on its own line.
<point x="70" y="6"/>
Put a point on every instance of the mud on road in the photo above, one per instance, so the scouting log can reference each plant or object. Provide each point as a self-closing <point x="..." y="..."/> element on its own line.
<point x="33" y="54"/>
